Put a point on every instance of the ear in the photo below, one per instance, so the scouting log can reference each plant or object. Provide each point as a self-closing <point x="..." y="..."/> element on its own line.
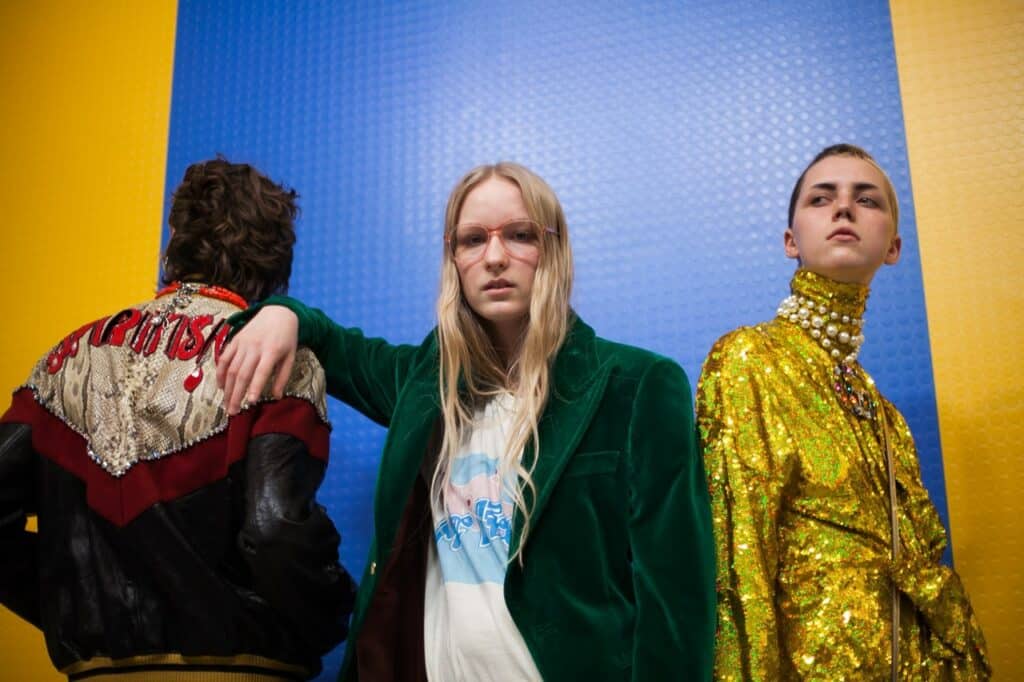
<point x="789" y="243"/>
<point x="892" y="256"/>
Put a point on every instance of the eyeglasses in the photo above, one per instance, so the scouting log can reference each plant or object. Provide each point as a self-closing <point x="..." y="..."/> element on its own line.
<point x="519" y="237"/>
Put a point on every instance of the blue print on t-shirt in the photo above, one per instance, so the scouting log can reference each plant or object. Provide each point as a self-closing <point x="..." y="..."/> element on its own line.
<point x="472" y="540"/>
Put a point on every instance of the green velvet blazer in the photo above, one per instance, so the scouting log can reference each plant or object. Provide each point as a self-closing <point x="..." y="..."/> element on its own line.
<point x="618" y="574"/>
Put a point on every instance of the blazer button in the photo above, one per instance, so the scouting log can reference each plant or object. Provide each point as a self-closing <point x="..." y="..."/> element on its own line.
<point x="373" y="568"/>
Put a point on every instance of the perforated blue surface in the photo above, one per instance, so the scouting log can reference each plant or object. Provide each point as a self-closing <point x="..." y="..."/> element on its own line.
<point x="672" y="134"/>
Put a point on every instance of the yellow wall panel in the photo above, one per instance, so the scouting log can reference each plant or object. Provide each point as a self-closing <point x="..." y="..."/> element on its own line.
<point x="83" y="131"/>
<point x="961" y="66"/>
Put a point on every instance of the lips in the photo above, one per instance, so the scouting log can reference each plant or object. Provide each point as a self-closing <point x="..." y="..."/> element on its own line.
<point x="497" y="284"/>
<point x="843" y="233"/>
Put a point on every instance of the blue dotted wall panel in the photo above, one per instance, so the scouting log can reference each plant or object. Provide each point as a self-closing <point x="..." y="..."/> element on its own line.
<point x="672" y="133"/>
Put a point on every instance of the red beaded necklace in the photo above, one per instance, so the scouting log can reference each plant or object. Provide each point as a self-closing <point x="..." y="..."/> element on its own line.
<point x="210" y="291"/>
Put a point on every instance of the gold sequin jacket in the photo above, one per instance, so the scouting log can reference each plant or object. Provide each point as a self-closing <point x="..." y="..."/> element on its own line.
<point x="801" y="510"/>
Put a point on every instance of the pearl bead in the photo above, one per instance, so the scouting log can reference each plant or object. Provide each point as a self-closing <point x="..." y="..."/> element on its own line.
<point x="823" y="326"/>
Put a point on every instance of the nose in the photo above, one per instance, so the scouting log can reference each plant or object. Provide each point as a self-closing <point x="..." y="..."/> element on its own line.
<point x="844" y="204"/>
<point x="495" y="255"/>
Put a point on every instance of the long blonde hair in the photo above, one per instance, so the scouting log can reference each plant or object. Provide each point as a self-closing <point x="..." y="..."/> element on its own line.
<point x="471" y="370"/>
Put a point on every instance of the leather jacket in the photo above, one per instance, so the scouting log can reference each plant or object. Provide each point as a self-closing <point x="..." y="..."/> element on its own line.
<point x="181" y="541"/>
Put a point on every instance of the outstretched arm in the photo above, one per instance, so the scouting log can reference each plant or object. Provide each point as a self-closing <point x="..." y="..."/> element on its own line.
<point x="366" y="373"/>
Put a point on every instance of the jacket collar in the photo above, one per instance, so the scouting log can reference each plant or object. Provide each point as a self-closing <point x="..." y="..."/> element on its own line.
<point x="578" y="381"/>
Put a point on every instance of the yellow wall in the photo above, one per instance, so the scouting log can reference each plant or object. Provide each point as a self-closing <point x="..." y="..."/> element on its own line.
<point x="961" y="73"/>
<point x="84" y="122"/>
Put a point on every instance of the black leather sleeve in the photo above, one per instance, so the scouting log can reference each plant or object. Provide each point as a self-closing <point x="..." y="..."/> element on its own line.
<point x="19" y="567"/>
<point x="290" y="543"/>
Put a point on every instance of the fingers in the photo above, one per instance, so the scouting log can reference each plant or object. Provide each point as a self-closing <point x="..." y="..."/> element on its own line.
<point x="248" y="361"/>
<point x="223" y="362"/>
<point x="240" y="375"/>
<point x="260" y="376"/>
<point x="284" y="373"/>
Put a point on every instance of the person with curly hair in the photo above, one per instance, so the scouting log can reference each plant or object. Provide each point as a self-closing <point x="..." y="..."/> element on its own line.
<point x="828" y="546"/>
<point x="176" y="541"/>
<point x="540" y="509"/>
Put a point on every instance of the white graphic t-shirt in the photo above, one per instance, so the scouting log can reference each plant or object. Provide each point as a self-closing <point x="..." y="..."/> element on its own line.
<point x="467" y="630"/>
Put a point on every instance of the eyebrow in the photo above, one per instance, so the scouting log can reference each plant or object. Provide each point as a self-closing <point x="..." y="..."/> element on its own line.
<point x="831" y="186"/>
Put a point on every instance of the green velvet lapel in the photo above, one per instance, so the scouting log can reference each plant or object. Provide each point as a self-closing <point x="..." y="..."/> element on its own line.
<point x="578" y="382"/>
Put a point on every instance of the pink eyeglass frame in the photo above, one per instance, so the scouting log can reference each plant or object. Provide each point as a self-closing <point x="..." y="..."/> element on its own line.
<point x="496" y="230"/>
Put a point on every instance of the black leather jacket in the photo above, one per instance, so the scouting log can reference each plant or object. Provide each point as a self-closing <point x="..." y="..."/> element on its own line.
<point x="213" y="558"/>
<point x="247" y="565"/>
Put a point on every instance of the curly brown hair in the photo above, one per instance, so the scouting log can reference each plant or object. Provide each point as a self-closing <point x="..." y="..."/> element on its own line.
<point x="232" y="227"/>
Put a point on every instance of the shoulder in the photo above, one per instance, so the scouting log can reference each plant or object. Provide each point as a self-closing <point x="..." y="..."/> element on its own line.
<point x="735" y="366"/>
<point x="633" y="361"/>
<point x="744" y="350"/>
<point x="740" y="343"/>
<point x="308" y="382"/>
<point x="74" y="347"/>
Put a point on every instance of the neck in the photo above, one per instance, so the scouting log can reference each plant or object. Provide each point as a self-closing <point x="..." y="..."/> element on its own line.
<point x="506" y="338"/>
<point x="830" y="312"/>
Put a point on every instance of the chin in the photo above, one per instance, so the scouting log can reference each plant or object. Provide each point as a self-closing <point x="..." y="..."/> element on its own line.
<point x="502" y="317"/>
<point x="501" y="313"/>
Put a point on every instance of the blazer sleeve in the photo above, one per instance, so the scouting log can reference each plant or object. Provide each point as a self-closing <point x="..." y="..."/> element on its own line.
<point x="366" y="373"/>
<point x="737" y="414"/>
<point x="670" y="533"/>
<point x="19" y="569"/>
<point x="291" y="545"/>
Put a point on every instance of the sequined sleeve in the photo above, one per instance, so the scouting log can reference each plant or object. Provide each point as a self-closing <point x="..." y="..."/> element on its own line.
<point x="935" y="589"/>
<point x="747" y="468"/>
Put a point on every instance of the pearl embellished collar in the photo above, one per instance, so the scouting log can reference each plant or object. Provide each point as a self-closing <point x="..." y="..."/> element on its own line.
<point x="830" y="312"/>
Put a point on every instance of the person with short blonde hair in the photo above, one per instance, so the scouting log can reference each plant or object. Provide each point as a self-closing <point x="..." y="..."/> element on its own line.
<point x="828" y="546"/>
<point x="541" y="510"/>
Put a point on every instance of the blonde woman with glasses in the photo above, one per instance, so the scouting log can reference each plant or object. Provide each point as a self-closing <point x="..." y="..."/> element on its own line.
<point x="540" y="510"/>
